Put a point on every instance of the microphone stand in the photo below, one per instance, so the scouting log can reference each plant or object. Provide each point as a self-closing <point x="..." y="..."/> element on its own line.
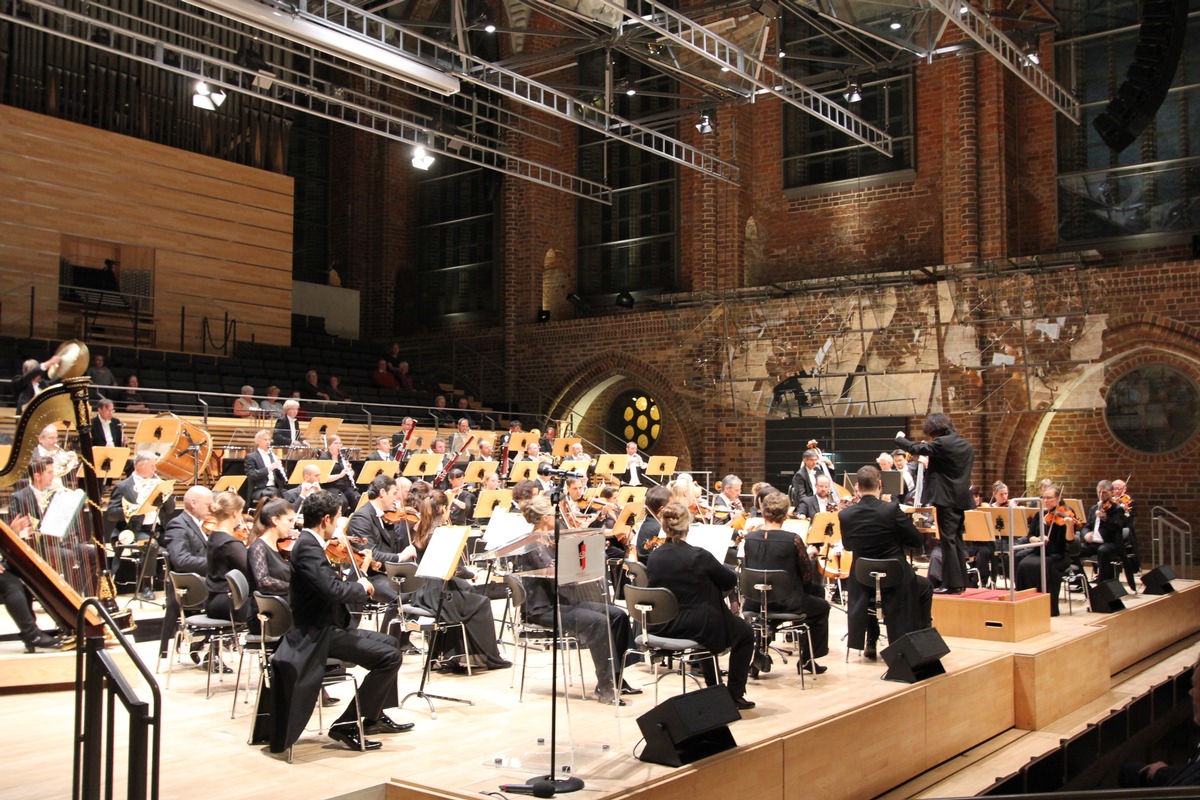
<point x="571" y="783"/>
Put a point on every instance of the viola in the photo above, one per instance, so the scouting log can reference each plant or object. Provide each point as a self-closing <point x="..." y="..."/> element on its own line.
<point x="340" y="553"/>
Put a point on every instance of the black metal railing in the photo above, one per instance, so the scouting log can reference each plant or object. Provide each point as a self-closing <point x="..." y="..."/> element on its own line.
<point x="99" y="686"/>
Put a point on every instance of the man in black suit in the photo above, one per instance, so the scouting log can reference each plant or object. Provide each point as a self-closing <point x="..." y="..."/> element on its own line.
<point x="310" y="484"/>
<point x="264" y="472"/>
<point x="134" y="489"/>
<point x="187" y="551"/>
<point x="107" y="430"/>
<point x="813" y="504"/>
<point x="287" y="427"/>
<point x="367" y="523"/>
<point x="872" y="528"/>
<point x="657" y="498"/>
<point x="804" y="482"/>
<point x="635" y="470"/>
<point x="319" y="597"/>
<point x="1103" y="534"/>
<point x="33" y="378"/>
<point x="947" y="488"/>
<point x="24" y="504"/>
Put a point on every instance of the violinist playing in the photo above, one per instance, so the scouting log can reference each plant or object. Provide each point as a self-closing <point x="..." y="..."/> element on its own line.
<point x="319" y="599"/>
<point x="727" y="504"/>
<point x="1103" y="536"/>
<point x="368" y="529"/>
<point x="771" y="547"/>
<point x="226" y="551"/>
<point x="1061" y="527"/>
<point x="269" y="572"/>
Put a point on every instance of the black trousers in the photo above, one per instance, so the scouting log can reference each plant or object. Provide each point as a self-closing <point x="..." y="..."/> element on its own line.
<point x="380" y="654"/>
<point x="592" y="624"/>
<point x="20" y="608"/>
<point x="1105" y="553"/>
<point x="815" y="609"/>
<point x="740" y="636"/>
<point x="954" y="555"/>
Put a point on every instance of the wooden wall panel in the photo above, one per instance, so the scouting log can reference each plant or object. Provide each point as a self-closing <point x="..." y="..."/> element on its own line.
<point x="217" y="236"/>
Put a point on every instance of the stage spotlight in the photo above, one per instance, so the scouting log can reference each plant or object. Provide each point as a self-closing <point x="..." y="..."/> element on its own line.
<point x="421" y="158"/>
<point x="625" y="300"/>
<point x="853" y="93"/>
<point x="578" y="302"/>
<point x="543" y="315"/>
<point x="705" y="124"/>
<point x="206" y="97"/>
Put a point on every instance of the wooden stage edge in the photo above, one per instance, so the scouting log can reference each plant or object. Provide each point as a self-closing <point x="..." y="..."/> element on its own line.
<point x="1030" y="685"/>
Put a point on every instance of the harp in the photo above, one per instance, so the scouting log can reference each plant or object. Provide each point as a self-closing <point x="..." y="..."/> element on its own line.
<point x="63" y="569"/>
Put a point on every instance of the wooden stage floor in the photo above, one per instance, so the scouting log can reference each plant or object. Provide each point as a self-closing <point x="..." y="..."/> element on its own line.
<point x="849" y="735"/>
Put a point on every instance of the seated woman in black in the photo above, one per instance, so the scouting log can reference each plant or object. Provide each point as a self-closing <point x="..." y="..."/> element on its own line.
<point x="699" y="583"/>
<point x="1061" y="545"/>
<point x="771" y="547"/>
<point x="269" y="572"/>
<point x="226" y="552"/>
<point x="460" y="603"/>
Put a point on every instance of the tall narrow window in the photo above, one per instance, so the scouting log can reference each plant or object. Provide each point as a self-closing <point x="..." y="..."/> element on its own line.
<point x="456" y="242"/>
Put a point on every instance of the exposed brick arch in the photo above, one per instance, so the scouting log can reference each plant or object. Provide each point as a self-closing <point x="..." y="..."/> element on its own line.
<point x="608" y="364"/>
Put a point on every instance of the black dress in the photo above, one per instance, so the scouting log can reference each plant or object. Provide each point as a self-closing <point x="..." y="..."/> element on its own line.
<point x="1029" y="568"/>
<point x="269" y="574"/>
<point x="225" y="553"/>
<point x="782" y="550"/>
<point x="461" y="603"/>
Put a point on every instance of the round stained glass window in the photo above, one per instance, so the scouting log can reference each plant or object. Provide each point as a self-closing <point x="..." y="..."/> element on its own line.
<point x="1153" y="409"/>
<point x="636" y="417"/>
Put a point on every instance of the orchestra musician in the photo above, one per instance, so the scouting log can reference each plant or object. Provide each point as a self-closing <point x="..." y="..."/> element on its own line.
<point x="321" y="631"/>
<point x="310" y="483"/>
<point x="485" y="451"/>
<point x="822" y="499"/>
<point x="771" y="547"/>
<point x="65" y="461"/>
<point x="657" y="498"/>
<point x="595" y="625"/>
<point x="402" y="442"/>
<point x="32" y="500"/>
<point x="127" y="496"/>
<point x="947" y="488"/>
<point x="341" y="478"/>
<point x="804" y="482"/>
<point x="577" y="453"/>
<point x="635" y="469"/>
<point x="17" y="599"/>
<point x="456" y="600"/>
<point x="383" y="450"/>
<point x="226" y="552"/>
<point x="699" y="583"/>
<point x="264" y="471"/>
<point x="269" y="572"/>
<point x="728" y="503"/>
<point x="1103" y="536"/>
<point x="458" y="442"/>
<point x="107" y="430"/>
<point x="1062" y="543"/>
<point x="546" y="443"/>
<point x="34" y="378"/>
<point x="187" y="551"/>
<point x="462" y="502"/>
<point x="533" y="452"/>
<point x="287" y="427"/>
<point x="1133" y="558"/>
<point x="872" y="528"/>
<point x="571" y="508"/>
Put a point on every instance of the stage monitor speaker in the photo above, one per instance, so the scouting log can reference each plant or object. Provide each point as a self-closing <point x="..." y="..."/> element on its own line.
<point x="689" y="727"/>
<point x="1158" y="580"/>
<point x="1105" y="597"/>
<point x="915" y="656"/>
<point x="1149" y="77"/>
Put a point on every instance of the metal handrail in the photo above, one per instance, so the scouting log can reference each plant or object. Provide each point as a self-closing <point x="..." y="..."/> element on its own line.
<point x="1163" y="520"/>
<point x="1013" y="547"/>
<point x="99" y="683"/>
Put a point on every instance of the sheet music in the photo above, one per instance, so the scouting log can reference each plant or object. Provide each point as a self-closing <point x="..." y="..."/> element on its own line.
<point x="443" y="553"/>
<point x="504" y="528"/>
<point x="62" y="511"/>
<point x="713" y="538"/>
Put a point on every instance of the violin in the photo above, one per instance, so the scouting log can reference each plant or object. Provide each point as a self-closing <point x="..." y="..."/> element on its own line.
<point x="285" y="544"/>
<point x="399" y="513"/>
<point x="1124" y="502"/>
<point x="339" y="552"/>
<point x="1062" y="515"/>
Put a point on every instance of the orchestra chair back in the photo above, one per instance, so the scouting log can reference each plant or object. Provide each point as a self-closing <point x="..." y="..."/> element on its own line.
<point x="654" y="606"/>
<point x="759" y="585"/>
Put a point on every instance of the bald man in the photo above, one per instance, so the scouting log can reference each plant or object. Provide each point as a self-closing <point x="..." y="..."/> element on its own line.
<point x="187" y="551"/>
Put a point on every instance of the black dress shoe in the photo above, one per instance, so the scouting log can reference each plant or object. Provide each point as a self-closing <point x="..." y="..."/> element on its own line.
<point x="626" y="689"/>
<point x="743" y="704"/>
<point x="43" y="641"/>
<point x="328" y="700"/>
<point x="762" y="661"/>
<point x="348" y="735"/>
<point x="808" y="666"/>
<point x="386" y="725"/>
<point x="607" y="696"/>
<point x="869" y="654"/>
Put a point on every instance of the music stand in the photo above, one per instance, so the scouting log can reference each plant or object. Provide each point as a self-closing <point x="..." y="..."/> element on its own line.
<point x="491" y="499"/>
<point x="611" y="463"/>
<point x="372" y="468"/>
<point x="976" y="527"/>
<point x="1076" y="506"/>
<point x="892" y="482"/>
<point x="320" y="428"/>
<point x="325" y="466"/>
<point x="625" y="520"/>
<point x="519" y="441"/>
<point x="421" y="439"/>
<point x="661" y="466"/>
<point x="523" y="471"/>
<point x="631" y="494"/>
<point x="581" y="466"/>
<point x="229" y="483"/>
<point x="110" y="462"/>
<point x="563" y="444"/>
<point x="439" y="562"/>
<point x="800" y="527"/>
<point x="422" y="465"/>
<point x="476" y="471"/>
<point x="161" y="491"/>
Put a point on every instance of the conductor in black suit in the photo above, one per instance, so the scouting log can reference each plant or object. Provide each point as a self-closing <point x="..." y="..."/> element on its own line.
<point x="319" y="597"/>
<point x="264" y="472"/>
<point x="872" y="528"/>
<point x="948" y="489"/>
